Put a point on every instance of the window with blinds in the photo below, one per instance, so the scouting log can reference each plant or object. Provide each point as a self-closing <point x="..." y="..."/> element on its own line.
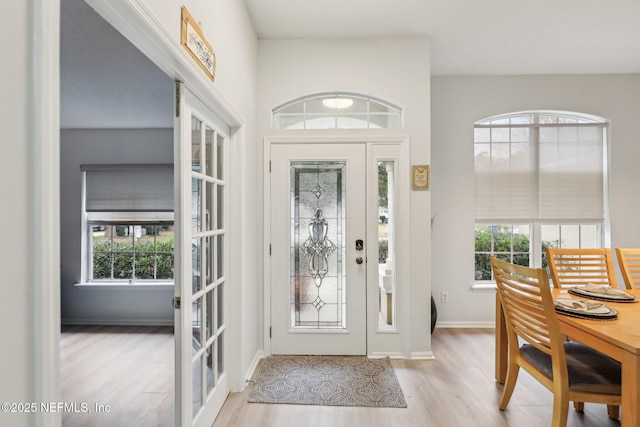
<point x="129" y="222"/>
<point x="535" y="172"/>
<point x="129" y="192"/>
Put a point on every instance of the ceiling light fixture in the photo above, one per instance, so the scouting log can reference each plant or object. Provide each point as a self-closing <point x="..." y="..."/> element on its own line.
<point x="337" y="103"/>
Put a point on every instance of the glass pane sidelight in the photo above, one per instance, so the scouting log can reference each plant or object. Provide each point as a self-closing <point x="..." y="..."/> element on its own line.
<point x="318" y="220"/>
<point x="386" y="244"/>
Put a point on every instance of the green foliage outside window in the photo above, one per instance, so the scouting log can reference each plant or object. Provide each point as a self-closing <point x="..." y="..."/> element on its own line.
<point x="383" y="250"/>
<point x="507" y="246"/>
<point x="146" y="258"/>
<point x="383" y="186"/>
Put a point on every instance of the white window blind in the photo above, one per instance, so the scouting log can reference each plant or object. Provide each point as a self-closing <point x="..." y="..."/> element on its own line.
<point x="122" y="190"/>
<point x="527" y="170"/>
<point x="571" y="173"/>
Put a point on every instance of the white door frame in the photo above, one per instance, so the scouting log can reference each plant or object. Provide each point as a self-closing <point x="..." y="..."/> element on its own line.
<point x="44" y="207"/>
<point x="134" y="20"/>
<point x="396" y="343"/>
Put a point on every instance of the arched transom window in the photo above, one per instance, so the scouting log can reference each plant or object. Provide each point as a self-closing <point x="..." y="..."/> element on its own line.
<point x="337" y="111"/>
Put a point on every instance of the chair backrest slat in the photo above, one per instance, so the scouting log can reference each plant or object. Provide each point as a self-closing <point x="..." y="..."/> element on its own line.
<point x="527" y="303"/>
<point x="574" y="267"/>
<point x="629" y="262"/>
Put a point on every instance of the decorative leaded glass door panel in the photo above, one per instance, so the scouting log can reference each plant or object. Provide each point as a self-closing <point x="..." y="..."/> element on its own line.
<point x="318" y="272"/>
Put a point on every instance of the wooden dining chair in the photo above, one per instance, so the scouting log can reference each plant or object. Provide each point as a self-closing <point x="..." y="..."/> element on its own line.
<point x="572" y="267"/>
<point x="570" y="370"/>
<point x="629" y="262"/>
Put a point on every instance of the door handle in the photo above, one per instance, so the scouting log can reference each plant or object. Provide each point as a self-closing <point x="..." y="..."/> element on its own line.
<point x="359" y="260"/>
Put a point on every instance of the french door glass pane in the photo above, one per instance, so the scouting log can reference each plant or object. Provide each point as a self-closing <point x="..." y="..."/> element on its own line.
<point x="219" y="156"/>
<point x="210" y="315"/>
<point x="219" y="300"/>
<point x="196" y="139"/>
<point x="219" y="354"/>
<point x="207" y="207"/>
<point x="209" y="367"/>
<point x="209" y="263"/>
<point x="220" y="206"/>
<point x="318" y="221"/>
<point x="196" y="324"/>
<point x="196" y="205"/>
<point x="196" y="264"/>
<point x="209" y="212"/>
<point x="197" y="389"/>
<point x="220" y="256"/>
<point x="209" y="150"/>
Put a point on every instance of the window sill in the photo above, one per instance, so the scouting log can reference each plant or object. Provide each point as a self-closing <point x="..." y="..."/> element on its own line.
<point x="155" y="286"/>
<point x="484" y="287"/>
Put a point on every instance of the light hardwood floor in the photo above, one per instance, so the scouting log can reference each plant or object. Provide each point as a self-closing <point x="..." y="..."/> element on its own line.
<point x="455" y="390"/>
<point x="128" y="368"/>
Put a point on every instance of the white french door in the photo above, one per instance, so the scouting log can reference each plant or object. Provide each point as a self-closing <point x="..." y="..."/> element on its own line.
<point x="201" y="159"/>
<point x="318" y="254"/>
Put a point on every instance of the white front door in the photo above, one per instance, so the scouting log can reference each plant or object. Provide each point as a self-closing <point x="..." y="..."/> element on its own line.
<point x="318" y="254"/>
<point x="201" y="160"/>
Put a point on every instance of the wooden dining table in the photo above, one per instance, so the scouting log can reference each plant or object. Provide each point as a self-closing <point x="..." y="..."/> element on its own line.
<point x="619" y="339"/>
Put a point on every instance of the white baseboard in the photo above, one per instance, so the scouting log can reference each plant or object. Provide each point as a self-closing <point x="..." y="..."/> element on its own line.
<point x="467" y="325"/>
<point x="118" y="322"/>
<point x="252" y="367"/>
<point x="389" y="354"/>
<point x="416" y="355"/>
<point x="422" y="355"/>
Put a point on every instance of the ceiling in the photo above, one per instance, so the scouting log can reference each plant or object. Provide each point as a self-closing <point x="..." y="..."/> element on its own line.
<point x="476" y="36"/>
<point x="106" y="82"/>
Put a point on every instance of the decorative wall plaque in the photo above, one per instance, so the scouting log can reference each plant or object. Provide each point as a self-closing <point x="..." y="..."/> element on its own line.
<point x="420" y="177"/>
<point x="198" y="47"/>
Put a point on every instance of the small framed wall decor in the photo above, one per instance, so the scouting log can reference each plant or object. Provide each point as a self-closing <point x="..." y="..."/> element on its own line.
<point x="420" y="177"/>
<point x="192" y="39"/>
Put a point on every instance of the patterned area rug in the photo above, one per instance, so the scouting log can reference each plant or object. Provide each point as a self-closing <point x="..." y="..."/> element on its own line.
<point x="327" y="380"/>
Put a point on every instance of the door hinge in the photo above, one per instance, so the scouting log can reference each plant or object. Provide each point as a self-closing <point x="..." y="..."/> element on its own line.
<point x="269" y="249"/>
<point x="270" y="331"/>
<point x="177" y="101"/>
<point x="269" y="166"/>
<point x="176" y="303"/>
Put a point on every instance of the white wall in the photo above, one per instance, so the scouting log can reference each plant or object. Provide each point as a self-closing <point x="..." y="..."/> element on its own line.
<point x="105" y="146"/>
<point x="394" y="69"/>
<point x="456" y="103"/>
<point x="16" y="323"/>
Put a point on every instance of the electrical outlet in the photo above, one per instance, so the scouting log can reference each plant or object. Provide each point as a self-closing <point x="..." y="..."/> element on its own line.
<point x="444" y="297"/>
